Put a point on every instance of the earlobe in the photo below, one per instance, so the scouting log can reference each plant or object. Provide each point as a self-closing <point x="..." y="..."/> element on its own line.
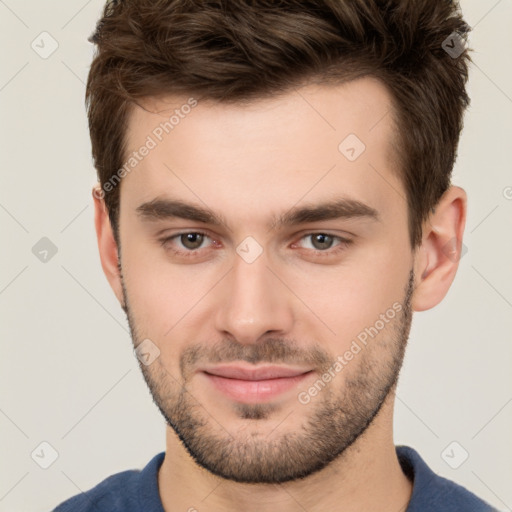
<point x="437" y="259"/>
<point x="108" y="250"/>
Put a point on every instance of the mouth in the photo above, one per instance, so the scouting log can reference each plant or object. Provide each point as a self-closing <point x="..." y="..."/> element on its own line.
<point x="254" y="385"/>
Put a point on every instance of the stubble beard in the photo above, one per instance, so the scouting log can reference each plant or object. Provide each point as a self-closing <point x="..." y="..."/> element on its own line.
<point x="337" y="417"/>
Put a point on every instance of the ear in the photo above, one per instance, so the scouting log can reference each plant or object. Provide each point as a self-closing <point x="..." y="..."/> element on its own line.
<point x="109" y="254"/>
<point x="437" y="259"/>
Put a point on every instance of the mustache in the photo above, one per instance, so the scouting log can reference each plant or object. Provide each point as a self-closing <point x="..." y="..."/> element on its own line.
<point x="270" y="350"/>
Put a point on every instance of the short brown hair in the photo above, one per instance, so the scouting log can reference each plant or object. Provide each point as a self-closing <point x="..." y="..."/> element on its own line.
<point x="237" y="50"/>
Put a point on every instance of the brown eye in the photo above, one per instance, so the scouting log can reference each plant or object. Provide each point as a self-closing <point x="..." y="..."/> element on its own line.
<point x="188" y="244"/>
<point x="192" y="240"/>
<point x="324" y="244"/>
<point x="321" y="241"/>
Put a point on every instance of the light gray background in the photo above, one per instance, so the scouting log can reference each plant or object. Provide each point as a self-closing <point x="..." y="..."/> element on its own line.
<point x="68" y="373"/>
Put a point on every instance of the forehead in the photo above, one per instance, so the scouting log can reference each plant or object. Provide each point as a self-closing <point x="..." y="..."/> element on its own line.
<point x="308" y="142"/>
<point x="358" y="106"/>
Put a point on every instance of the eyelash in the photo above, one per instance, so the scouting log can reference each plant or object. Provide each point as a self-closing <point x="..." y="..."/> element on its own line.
<point x="191" y="253"/>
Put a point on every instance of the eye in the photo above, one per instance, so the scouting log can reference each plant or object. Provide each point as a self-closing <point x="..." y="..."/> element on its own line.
<point x="189" y="243"/>
<point x="186" y="243"/>
<point x="191" y="240"/>
<point x="323" y="242"/>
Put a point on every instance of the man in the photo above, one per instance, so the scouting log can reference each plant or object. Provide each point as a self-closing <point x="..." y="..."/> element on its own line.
<point x="274" y="203"/>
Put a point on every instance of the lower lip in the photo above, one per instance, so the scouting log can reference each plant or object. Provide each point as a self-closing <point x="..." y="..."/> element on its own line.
<point x="253" y="391"/>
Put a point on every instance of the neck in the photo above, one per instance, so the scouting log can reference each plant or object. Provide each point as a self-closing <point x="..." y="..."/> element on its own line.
<point x="367" y="476"/>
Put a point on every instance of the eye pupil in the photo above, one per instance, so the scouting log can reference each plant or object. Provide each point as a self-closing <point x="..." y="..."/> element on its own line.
<point x="322" y="239"/>
<point x="192" y="240"/>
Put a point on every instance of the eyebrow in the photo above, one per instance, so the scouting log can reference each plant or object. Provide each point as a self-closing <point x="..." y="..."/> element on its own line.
<point x="343" y="208"/>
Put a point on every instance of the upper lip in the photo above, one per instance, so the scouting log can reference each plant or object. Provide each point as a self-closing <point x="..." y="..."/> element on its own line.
<point x="260" y="373"/>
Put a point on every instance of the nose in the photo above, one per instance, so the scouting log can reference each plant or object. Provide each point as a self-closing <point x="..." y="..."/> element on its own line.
<point x="254" y="302"/>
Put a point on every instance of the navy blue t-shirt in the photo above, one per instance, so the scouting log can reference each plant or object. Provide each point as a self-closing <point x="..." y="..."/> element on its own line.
<point x="137" y="491"/>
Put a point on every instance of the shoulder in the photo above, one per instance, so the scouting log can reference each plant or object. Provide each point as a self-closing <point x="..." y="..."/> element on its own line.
<point x="120" y="492"/>
<point x="433" y="492"/>
<point x="110" y="494"/>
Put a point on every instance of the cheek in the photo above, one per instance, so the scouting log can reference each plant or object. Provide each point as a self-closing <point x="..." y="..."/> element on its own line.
<point x="157" y="292"/>
<point x="351" y="296"/>
<point x="167" y="300"/>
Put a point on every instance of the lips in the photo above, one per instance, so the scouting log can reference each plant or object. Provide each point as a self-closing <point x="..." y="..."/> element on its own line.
<point x="254" y="385"/>
<point x="263" y="373"/>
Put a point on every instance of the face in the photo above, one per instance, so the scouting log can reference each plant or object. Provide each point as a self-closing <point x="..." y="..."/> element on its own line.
<point x="260" y="237"/>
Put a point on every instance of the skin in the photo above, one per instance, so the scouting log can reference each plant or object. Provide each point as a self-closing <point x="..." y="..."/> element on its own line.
<point x="295" y="304"/>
